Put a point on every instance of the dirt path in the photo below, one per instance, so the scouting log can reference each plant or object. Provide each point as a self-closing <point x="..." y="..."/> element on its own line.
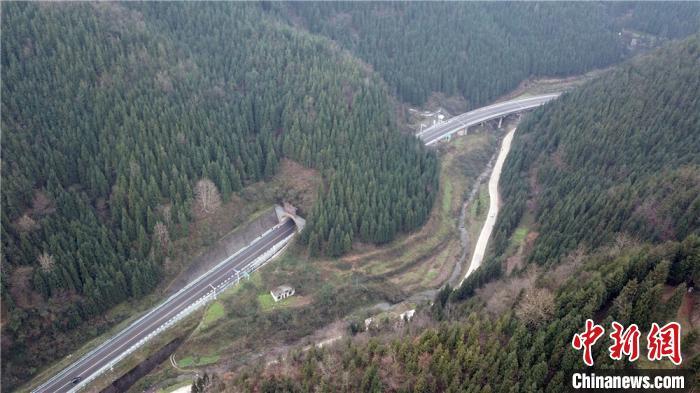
<point x="494" y="201"/>
<point x="184" y="389"/>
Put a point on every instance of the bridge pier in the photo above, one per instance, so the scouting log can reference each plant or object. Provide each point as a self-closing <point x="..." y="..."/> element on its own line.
<point x="500" y="121"/>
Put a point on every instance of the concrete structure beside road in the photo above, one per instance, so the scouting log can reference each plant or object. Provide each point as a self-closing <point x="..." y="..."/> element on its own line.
<point x="282" y="292"/>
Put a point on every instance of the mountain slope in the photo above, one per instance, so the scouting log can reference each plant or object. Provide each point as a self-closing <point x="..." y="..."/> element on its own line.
<point x="628" y="139"/>
<point x="115" y="115"/>
<point x="619" y="155"/>
<point x="484" y="346"/>
<point x="484" y="50"/>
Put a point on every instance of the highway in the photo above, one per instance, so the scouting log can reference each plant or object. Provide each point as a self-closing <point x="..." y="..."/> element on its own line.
<point x="468" y="119"/>
<point x="225" y="272"/>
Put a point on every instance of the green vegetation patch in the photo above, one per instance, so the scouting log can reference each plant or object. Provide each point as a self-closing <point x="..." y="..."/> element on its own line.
<point x="447" y="197"/>
<point x="481" y="203"/>
<point x="186" y="362"/>
<point x="519" y="235"/>
<point x="204" y="360"/>
<point x="214" y="312"/>
<point x="191" y="361"/>
<point x="266" y="301"/>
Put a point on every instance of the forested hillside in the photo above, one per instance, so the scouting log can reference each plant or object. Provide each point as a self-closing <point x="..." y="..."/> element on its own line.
<point x="117" y="119"/>
<point x="656" y="17"/>
<point x="527" y="349"/>
<point x="124" y="122"/>
<point x="611" y="169"/>
<point x="619" y="155"/>
<point x="480" y="50"/>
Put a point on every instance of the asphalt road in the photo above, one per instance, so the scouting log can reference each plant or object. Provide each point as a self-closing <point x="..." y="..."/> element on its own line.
<point x="104" y="354"/>
<point x="438" y="131"/>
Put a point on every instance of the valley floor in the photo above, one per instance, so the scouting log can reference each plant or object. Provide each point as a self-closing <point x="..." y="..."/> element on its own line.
<point x="239" y="329"/>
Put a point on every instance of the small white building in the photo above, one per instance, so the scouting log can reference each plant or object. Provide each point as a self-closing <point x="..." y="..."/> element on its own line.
<point x="368" y="323"/>
<point x="408" y="315"/>
<point x="282" y="292"/>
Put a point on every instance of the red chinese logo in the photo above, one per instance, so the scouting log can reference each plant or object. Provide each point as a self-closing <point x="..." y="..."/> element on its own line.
<point x="662" y="342"/>
<point x="624" y="342"/>
<point x="665" y="342"/>
<point x="586" y="340"/>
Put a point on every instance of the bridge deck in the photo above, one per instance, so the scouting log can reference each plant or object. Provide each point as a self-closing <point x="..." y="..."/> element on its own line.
<point x="468" y="119"/>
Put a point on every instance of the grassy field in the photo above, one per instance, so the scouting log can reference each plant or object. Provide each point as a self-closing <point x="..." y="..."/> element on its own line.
<point x="267" y="303"/>
<point x="197" y="361"/>
<point x="519" y="236"/>
<point x="213" y="314"/>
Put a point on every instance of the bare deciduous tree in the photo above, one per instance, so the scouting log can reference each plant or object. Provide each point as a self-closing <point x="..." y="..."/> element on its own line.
<point x="536" y="307"/>
<point x="166" y="212"/>
<point x="161" y="236"/>
<point x="207" y="196"/>
<point x="41" y="204"/>
<point x="26" y="223"/>
<point x="46" y="261"/>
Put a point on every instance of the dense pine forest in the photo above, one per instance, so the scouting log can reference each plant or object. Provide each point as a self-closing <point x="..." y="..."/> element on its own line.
<point x="479" y="50"/>
<point x="624" y="161"/>
<point x="612" y="167"/>
<point x="123" y="123"/>
<point x="116" y="117"/>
